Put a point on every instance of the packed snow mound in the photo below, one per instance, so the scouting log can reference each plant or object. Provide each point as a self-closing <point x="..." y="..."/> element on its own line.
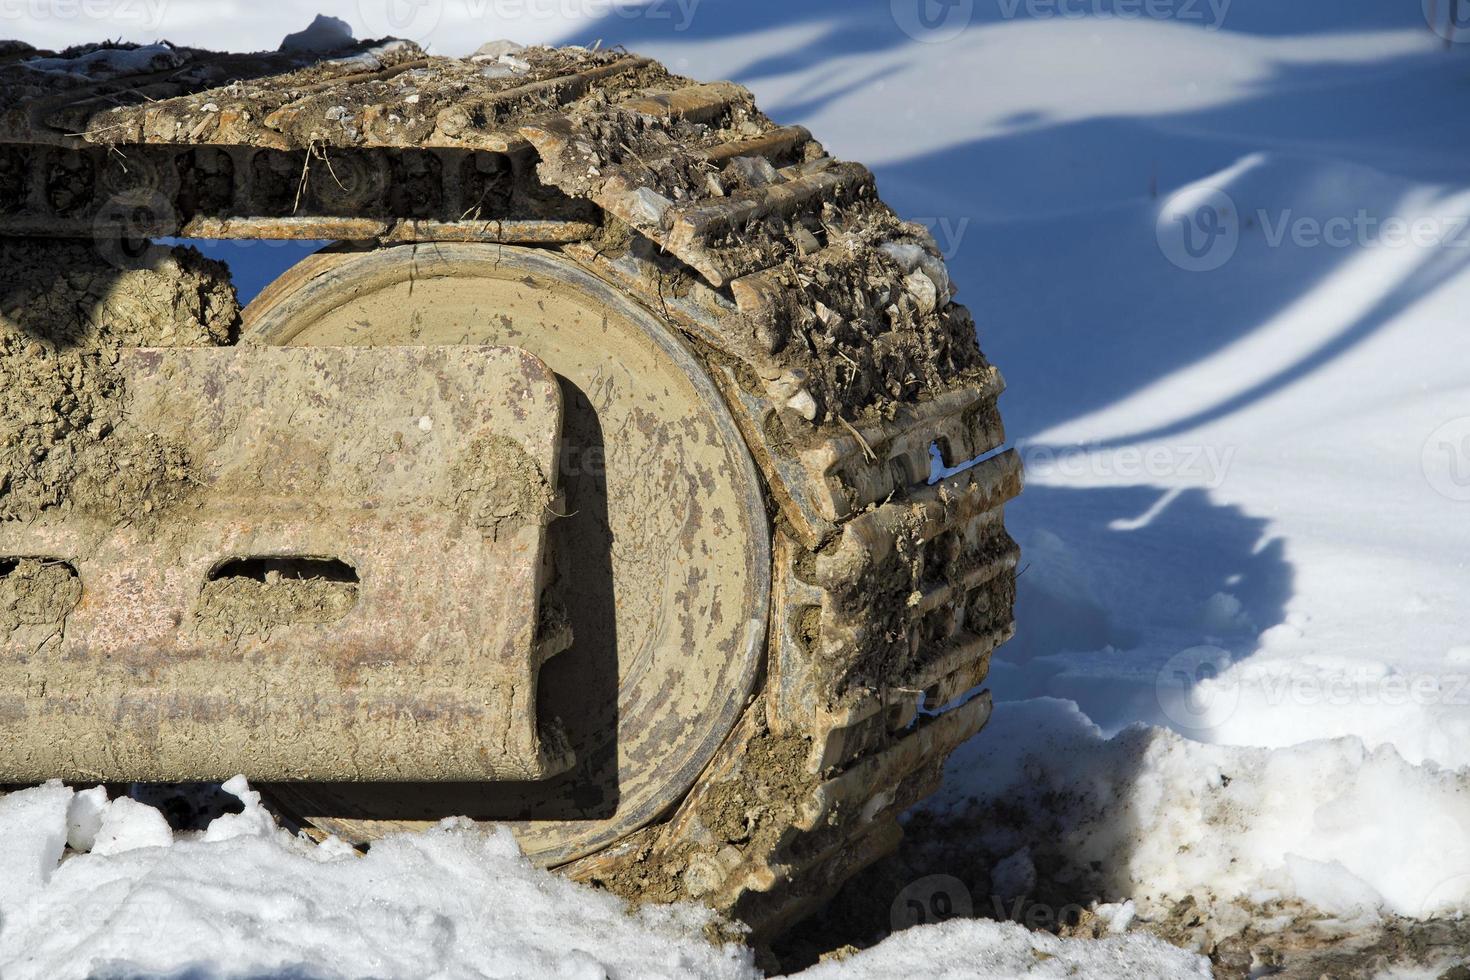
<point x="1350" y="832"/>
<point x="245" y="897"/>
<point x="102" y="64"/>
<point x="969" y="949"/>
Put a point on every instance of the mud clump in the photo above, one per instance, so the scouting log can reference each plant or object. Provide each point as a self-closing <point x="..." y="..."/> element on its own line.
<point x="231" y="608"/>
<point x="737" y="820"/>
<point x="499" y="487"/>
<point x="64" y="313"/>
<point x="64" y="294"/>
<point x="34" y="592"/>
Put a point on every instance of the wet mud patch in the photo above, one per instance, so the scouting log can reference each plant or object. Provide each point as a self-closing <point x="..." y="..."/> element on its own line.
<point x="740" y="813"/>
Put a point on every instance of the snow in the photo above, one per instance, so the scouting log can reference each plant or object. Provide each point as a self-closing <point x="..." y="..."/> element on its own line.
<point x="452" y="902"/>
<point x="1243" y="649"/>
<point x="1165" y="817"/>
<point x="456" y="901"/>
<point x="105" y="63"/>
<point x="966" y="949"/>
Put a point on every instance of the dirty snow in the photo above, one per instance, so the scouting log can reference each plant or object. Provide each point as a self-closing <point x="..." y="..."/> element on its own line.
<point x="964" y="949"/>
<point x="105" y="63"/>
<point x="1351" y="832"/>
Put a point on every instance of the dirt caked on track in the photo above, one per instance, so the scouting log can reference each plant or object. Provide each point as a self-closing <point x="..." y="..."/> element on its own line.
<point x="750" y="619"/>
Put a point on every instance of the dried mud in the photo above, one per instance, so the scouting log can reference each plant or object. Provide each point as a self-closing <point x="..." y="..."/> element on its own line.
<point x="740" y="813"/>
<point x="63" y="315"/>
<point x="499" y="486"/>
<point x="234" y="607"/>
<point x="34" y="592"/>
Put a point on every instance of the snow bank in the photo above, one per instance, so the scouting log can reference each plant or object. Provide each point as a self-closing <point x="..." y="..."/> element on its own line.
<point x="105" y="63"/>
<point x="1350" y="832"/>
<point x="246" y="897"/>
<point x="966" y="949"/>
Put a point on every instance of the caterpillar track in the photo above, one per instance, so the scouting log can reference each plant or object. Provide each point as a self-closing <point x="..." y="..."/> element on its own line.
<point x="744" y="641"/>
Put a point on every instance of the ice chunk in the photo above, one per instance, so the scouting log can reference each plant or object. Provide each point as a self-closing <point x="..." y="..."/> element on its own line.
<point x="1222" y="614"/>
<point x="1118" y="916"/>
<point x="495" y="50"/>
<point x="1332" y="888"/>
<point x="84" y="818"/>
<point x="32" y="838"/>
<point x="253" y="821"/>
<point x="128" y="825"/>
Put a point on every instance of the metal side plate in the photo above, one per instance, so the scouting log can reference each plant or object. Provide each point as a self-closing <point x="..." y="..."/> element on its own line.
<point x="303" y="564"/>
